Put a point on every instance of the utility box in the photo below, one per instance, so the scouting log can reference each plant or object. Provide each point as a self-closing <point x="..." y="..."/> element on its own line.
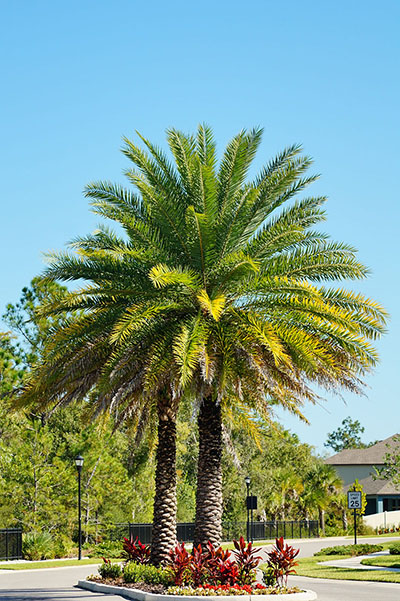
<point x="251" y="502"/>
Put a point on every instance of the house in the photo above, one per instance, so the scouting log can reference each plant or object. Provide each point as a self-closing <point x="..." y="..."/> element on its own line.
<point x="360" y="464"/>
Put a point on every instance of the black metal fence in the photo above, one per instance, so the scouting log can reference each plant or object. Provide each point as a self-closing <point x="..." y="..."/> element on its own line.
<point x="260" y="531"/>
<point x="271" y="530"/>
<point x="10" y="543"/>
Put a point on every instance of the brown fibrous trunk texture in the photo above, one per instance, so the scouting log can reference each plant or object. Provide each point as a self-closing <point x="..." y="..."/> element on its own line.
<point x="209" y="474"/>
<point x="164" y="510"/>
<point x="322" y="520"/>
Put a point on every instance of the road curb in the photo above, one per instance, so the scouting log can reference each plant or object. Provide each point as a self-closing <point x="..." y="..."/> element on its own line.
<point x="132" y="593"/>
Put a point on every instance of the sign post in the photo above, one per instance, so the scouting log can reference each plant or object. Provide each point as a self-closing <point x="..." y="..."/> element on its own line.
<point x="354" y="501"/>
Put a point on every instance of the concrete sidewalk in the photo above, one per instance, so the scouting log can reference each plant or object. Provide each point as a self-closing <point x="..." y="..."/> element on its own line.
<point x="354" y="563"/>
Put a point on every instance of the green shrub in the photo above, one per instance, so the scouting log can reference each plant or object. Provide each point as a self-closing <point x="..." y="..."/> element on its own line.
<point x="268" y="575"/>
<point x="137" y="572"/>
<point x="109" y="549"/>
<point x="361" y="529"/>
<point x="110" y="570"/>
<point x="394" y="549"/>
<point x="62" y="546"/>
<point x="354" y="550"/>
<point x="37" y="545"/>
<point x="334" y="530"/>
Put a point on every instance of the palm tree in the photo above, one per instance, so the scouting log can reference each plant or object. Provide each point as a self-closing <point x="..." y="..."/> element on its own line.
<point x="287" y="489"/>
<point x="321" y="484"/>
<point x="213" y="290"/>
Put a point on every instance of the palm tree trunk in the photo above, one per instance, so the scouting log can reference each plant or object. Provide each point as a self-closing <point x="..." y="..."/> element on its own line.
<point x="344" y="520"/>
<point x="209" y="475"/>
<point x="322" y="520"/>
<point x="164" y="511"/>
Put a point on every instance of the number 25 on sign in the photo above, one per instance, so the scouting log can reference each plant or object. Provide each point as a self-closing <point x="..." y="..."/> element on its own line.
<point x="354" y="499"/>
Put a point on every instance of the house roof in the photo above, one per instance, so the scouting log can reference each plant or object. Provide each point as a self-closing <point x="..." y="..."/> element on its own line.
<point x="376" y="487"/>
<point x="371" y="456"/>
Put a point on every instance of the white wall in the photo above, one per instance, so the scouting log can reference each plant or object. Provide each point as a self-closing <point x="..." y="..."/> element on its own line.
<point x="385" y="519"/>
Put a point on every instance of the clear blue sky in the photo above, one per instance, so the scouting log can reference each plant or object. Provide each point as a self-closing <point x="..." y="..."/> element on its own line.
<point x="77" y="76"/>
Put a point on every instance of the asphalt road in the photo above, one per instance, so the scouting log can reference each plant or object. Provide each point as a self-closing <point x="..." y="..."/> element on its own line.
<point x="57" y="584"/>
<point x="348" y="590"/>
<point x="52" y="584"/>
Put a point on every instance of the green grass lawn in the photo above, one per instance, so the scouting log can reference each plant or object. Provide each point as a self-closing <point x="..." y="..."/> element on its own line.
<point x="36" y="565"/>
<point x="308" y="566"/>
<point x="387" y="561"/>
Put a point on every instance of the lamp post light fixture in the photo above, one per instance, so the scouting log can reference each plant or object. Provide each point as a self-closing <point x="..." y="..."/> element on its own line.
<point x="79" y="464"/>
<point x="248" y="482"/>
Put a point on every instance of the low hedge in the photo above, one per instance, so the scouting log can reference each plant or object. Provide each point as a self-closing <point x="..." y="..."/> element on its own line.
<point x="354" y="550"/>
<point x="110" y="570"/>
<point x="394" y="549"/>
<point x="137" y="572"/>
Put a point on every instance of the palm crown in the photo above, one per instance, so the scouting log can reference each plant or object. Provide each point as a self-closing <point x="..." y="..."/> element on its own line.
<point x="214" y="287"/>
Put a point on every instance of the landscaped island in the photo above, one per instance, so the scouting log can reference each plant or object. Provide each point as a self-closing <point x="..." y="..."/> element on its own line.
<point x="212" y="572"/>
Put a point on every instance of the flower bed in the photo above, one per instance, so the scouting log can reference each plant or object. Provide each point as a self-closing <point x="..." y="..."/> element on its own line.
<point x="212" y="572"/>
<point x="206" y="590"/>
<point x="228" y="591"/>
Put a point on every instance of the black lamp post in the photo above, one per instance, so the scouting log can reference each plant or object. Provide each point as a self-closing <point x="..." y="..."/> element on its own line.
<point x="79" y="464"/>
<point x="248" y="481"/>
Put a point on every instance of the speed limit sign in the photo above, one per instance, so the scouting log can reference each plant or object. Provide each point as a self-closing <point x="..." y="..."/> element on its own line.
<point x="354" y="499"/>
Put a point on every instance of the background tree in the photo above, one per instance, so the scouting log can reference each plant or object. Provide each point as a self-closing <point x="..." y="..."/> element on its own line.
<point x="322" y="484"/>
<point x="11" y="364"/>
<point x="37" y="456"/>
<point x="25" y="322"/>
<point x="391" y="469"/>
<point x="287" y="489"/>
<point x="348" y="436"/>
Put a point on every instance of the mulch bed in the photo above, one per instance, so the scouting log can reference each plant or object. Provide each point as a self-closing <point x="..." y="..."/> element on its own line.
<point x="158" y="589"/>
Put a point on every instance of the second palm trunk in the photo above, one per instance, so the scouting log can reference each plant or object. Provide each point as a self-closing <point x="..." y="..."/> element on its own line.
<point x="209" y="474"/>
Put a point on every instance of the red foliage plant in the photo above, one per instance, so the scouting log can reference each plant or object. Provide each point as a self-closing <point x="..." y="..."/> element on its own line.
<point x="247" y="560"/>
<point x="136" y="551"/>
<point x="227" y="573"/>
<point x="179" y="563"/>
<point x="220" y="569"/>
<point x="282" y="560"/>
<point x="213" y="566"/>
<point x="198" y="566"/>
